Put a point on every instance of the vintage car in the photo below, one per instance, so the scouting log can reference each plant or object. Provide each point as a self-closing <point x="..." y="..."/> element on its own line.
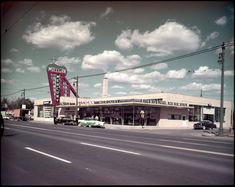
<point x="205" y="124"/>
<point x="90" y="122"/>
<point x="65" y="120"/>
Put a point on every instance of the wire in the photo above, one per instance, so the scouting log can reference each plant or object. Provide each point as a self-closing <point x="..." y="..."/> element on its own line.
<point x="161" y="61"/>
<point x="11" y="93"/>
<point x="145" y="65"/>
<point x="7" y="29"/>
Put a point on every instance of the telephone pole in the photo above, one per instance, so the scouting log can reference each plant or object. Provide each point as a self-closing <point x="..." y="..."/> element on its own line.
<point x="23" y="94"/>
<point x="76" y="112"/>
<point x="221" y="61"/>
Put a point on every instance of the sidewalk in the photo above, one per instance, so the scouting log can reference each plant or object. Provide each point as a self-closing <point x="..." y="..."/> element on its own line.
<point x="164" y="130"/>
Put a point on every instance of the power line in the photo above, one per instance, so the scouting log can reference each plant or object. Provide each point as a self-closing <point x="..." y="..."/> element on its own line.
<point x="141" y="66"/>
<point x="7" y="29"/>
<point x="12" y="93"/>
<point x="161" y="61"/>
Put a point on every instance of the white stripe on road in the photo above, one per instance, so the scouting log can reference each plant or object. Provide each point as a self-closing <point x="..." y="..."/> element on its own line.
<point x="137" y="142"/>
<point x="197" y="150"/>
<point x="110" y="148"/>
<point x="176" y="141"/>
<point x="218" y="141"/>
<point x="55" y="157"/>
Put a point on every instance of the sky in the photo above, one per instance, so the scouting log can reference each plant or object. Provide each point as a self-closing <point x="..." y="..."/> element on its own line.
<point x="104" y="37"/>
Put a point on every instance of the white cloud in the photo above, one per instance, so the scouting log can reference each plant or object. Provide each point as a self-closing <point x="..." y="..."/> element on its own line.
<point x="34" y="69"/>
<point x="13" y="50"/>
<point x="123" y="41"/>
<point x="68" y="62"/>
<point x="212" y="36"/>
<point x="221" y="21"/>
<point x="129" y="77"/>
<point x="6" y="70"/>
<point x="154" y="75"/>
<point x="26" y="61"/>
<point x="124" y="78"/>
<point x="7" y="61"/>
<point x="107" y="12"/>
<point x="229" y="73"/>
<point x="174" y="74"/>
<point x="138" y="70"/>
<point x="19" y="70"/>
<point x="167" y="39"/>
<point x="121" y="93"/>
<point x="198" y="86"/>
<point x="231" y="48"/>
<point x="109" y="58"/>
<point x="117" y="87"/>
<point x="60" y="33"/>
<point x="141" y="86"/>
<point x="159" y="66"/>
<point x="98" y="85"/>
<point x="203" y="72"/>
<point x="5" y="81"/>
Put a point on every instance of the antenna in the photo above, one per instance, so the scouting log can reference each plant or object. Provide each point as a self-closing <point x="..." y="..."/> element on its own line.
<point x="53" y="60"/>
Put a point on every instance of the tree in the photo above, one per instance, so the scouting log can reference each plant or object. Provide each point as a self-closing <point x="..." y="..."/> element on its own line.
<point x="15" y="104"/>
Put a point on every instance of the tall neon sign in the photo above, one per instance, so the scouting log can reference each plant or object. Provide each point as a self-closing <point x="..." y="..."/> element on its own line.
<point x="58" y="83"/>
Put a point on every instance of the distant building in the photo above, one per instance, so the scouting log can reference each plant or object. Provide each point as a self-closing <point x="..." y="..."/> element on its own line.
<point x="160" y="110"/>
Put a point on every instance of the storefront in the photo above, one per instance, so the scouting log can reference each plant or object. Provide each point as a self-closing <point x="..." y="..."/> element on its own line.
<point x="160" y="110"/>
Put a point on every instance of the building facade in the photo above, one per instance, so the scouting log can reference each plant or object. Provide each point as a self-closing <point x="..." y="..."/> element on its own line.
<point x="163" y="110"/>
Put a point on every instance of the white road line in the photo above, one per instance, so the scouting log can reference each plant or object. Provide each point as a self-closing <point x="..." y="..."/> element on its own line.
<point x="176" y="141"/>
<point x="217" y="141"/>
<point x="197" y="150"/>
<point x="55" y="157"/>
<point x="7" y="128"/>
<point x="110" y="148"/>
<point x="132" y="141"/>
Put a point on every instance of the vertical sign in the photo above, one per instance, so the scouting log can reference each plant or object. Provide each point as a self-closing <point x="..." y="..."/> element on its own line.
<point x="59" y="85"/>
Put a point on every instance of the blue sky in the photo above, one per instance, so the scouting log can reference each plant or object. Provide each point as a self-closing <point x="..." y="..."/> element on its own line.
<point x="96" y="37"/>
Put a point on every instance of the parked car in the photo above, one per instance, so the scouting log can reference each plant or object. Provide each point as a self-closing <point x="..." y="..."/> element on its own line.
<point x="90" y="122"/>
<point x="205" y="124"/>
<point x="65" y="120"/>
<point x="2" y="124"/>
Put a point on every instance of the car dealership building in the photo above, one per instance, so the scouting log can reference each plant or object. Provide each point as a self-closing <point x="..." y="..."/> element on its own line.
<point x="163" y="110"/>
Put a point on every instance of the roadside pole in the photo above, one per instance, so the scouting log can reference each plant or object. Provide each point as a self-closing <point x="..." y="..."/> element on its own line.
<point x="76" y="112"/>
<point x="221" y="61"/>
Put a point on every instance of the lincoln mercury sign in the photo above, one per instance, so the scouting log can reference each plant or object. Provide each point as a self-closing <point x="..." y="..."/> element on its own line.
<point x="58" y="83"/>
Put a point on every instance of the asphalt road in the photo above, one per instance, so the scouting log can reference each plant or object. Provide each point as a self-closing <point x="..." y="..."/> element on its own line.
<point x="43" y="154"/>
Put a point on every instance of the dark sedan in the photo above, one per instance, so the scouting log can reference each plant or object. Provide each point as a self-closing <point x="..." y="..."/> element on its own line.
<point x="206" y="124"/>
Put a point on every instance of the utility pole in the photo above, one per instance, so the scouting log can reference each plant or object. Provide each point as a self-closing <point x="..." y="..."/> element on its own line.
<point x="23" y="93"/>
<point x="76" y="112"/>
<point x="201" y="93"/>
<point x="221" y="61"/>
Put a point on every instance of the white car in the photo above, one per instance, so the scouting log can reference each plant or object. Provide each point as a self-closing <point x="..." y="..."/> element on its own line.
<point x="90" y="122"/>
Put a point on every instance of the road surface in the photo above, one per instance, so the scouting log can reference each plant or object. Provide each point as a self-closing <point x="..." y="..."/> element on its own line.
<point x="44" y="154"/>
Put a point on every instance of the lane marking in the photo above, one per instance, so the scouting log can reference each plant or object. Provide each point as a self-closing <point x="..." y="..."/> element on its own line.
<point x="132" y="141"/>
<point x="46" y="154"/>
<point x="7" y="128"/>
<point x="197" y="150"/>
<point x="110" y="148"/>
<point x="176" y="141"/>
<point x="208" y="141"/>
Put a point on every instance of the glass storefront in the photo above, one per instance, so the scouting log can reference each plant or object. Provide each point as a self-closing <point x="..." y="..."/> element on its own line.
<point x="123" y="115"/>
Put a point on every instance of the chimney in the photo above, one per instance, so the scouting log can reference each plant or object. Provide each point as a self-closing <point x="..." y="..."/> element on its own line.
<point x="105" y="87"/>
